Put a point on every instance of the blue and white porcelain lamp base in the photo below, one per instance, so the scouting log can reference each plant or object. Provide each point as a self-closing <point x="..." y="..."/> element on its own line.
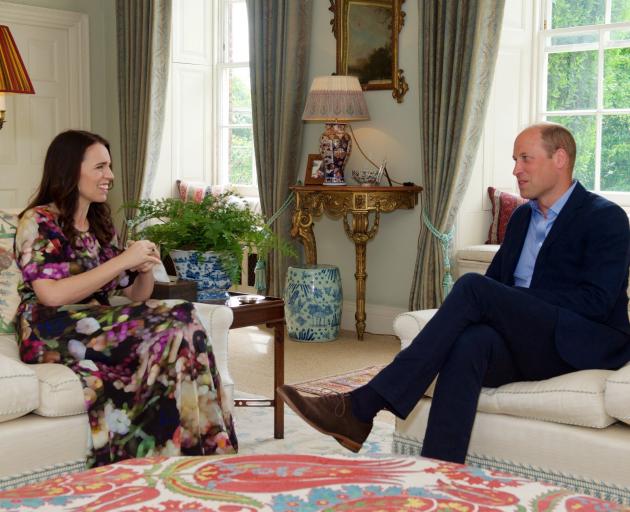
<point x="313" y="298"/>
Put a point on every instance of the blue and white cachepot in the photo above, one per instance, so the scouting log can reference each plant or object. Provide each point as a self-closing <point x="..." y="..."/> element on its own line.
<point x="312" y="297"/>
<point x="205" y="268"/>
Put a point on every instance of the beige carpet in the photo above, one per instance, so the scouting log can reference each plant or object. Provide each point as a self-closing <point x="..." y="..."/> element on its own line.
<point x="251" y="358"/>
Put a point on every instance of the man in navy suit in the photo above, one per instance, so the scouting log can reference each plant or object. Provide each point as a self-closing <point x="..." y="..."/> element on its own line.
<point x="553" y="301"/>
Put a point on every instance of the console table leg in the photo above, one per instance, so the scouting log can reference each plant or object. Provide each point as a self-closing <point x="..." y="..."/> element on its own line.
<point x="278" y="378"/>
<point x="360" y="277"/>
<point x="302" y="228"/>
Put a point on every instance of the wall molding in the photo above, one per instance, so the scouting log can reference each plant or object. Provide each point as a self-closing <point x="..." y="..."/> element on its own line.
<point x="77" y="26"/>
<point x="379" y="318"/>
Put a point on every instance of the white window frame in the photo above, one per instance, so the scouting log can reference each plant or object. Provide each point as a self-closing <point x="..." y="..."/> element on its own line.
<point x="213" y="170"/>
<point x="221" y="107"/>
<point x="621" y="198"/>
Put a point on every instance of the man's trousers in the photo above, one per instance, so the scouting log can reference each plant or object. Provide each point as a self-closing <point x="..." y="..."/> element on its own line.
<point x="484" y="334"/>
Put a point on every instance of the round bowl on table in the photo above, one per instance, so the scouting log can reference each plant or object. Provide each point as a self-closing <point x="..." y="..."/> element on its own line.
<point x="366" y="177"/>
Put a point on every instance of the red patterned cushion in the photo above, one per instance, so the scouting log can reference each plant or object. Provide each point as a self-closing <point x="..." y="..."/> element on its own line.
<point x="503" y="204"/>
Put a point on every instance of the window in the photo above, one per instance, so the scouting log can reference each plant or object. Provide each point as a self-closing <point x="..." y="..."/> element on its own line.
<point x="212" y="135"/>
<point x="585" y="86"/>
<point x="236" y="139"/>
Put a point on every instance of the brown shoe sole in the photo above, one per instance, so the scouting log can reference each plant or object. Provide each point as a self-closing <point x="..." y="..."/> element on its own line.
<point x="344" y="441"/>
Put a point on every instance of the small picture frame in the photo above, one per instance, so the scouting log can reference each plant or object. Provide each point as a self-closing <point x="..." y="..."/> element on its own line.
<point x="314" y="170"/>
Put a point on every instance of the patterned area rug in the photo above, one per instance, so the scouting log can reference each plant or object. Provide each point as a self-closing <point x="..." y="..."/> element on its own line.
<point x="342" y="383"/>
<point x="283" y="483"/>
<point x="254" y="429"/>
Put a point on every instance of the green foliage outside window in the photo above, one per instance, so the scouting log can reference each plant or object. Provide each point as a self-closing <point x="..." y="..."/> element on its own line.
<point x="572" y="86"/>
<point x="240" y="140"/>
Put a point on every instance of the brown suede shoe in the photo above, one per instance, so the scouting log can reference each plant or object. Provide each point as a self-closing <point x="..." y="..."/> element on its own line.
<point x="330" y="414"/>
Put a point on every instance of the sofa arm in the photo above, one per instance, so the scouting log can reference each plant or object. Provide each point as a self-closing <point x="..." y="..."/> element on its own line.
<point x="20" y="389"/>
<point x="217" y="319"/>
<point x="408" y="325"/>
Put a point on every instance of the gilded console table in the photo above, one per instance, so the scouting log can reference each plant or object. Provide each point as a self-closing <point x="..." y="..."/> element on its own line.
<point x="339" y="201"/>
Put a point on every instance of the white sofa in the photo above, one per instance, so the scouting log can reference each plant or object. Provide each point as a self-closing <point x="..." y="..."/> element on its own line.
<point x="572" y="430"/>
<point x="43" y="425"/>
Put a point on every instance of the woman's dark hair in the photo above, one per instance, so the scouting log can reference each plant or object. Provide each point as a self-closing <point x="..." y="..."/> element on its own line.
<point x="59" y="185"/>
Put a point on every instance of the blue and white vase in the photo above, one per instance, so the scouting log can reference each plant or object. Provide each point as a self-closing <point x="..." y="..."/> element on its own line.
<point x="312" y="297"/>
<point x="205" y="268"/>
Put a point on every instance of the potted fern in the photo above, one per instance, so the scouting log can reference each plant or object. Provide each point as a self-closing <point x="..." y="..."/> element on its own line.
<point x="205" y="240"/>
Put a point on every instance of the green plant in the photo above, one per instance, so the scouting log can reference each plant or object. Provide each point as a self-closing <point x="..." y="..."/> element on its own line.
<point x="223" y="224"/>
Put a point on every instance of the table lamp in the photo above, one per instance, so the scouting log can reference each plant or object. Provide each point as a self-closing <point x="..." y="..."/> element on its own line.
<point x="13" y="75"/>
<point x="335" y="100"/>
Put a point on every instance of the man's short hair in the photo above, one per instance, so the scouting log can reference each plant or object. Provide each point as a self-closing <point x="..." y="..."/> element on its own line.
<point x="555" y="136"/>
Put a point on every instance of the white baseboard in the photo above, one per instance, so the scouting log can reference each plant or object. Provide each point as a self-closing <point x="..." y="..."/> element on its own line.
<point x="379" y="319"/>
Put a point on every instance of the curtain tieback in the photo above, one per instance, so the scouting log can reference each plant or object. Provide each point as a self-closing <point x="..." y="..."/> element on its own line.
<point x="260" y="271"/>
<point x="445" y="240"/>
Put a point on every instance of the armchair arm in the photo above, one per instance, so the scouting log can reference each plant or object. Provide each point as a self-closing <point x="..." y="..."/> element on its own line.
<point x="408" y="325"/>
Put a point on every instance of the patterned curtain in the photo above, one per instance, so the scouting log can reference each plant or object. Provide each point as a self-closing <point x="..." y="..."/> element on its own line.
<point x="279" y="47"/>
<point x="458" y="47"/>
<point x="144" y="32"/>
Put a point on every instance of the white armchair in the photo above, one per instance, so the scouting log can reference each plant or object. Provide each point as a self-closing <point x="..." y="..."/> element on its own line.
<point x="572" y="430"/>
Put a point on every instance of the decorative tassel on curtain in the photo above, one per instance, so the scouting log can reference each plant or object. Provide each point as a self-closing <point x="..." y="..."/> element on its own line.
<point x="445" y="240"/>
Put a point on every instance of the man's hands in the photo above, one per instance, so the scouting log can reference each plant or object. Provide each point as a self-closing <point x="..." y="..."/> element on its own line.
<point x="141" y="256"/>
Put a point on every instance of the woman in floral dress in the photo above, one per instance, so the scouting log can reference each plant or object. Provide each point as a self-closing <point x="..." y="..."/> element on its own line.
<point x="147" y="369"/>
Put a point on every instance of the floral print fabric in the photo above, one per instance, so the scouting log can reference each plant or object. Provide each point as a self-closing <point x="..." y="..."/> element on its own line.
<point x="149" y="377"/>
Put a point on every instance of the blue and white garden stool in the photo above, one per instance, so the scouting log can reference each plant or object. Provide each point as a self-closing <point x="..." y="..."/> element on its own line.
<point x="312" y="297"/>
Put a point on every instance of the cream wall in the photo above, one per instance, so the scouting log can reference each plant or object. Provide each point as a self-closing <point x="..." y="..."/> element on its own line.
<point x="103" y="73"/>
<point x="393" y="133"/>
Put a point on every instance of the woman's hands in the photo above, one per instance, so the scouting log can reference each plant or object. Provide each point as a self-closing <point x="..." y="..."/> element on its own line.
<point x="141" y="256"/>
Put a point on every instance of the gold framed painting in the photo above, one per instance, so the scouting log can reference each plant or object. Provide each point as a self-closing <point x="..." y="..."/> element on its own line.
<point x="367" y="43"/>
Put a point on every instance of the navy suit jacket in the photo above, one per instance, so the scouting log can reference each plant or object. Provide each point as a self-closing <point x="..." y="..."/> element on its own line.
<point x="582" y="268"/>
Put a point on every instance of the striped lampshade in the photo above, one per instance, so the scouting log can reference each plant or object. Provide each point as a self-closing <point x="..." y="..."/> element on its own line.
<point x="13" y="75"/>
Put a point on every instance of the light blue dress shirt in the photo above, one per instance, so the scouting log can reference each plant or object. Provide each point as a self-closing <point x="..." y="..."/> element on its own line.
<point x="538" y="230"/>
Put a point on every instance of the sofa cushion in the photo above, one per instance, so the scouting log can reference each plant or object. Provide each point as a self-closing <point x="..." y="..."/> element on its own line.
<point x="480" y="253"/>
<point x="503" y="205"/>
<point x="20" y="389"/>
<point x="576" y="398"/>
<point x="60" y="390"/>
<point x="573" y="399"/>
<point x="10" y="275"/>
<point x="617" y="399"/>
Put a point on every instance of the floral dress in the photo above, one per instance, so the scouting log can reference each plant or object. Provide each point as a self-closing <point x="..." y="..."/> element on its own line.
<point x="149" y="378"/>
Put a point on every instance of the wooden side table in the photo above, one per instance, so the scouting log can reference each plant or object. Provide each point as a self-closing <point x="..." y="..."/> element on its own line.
<point x="312" y="201"/>
<point x="268" y="311"/>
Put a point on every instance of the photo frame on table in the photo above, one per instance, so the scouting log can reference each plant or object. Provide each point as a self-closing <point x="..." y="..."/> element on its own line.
<point x="367" y="43"/>
<point x="314" y="174"/>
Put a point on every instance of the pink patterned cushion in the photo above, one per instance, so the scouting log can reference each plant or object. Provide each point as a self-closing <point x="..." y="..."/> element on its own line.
<point x="196" y="191"/>
<point x="503" y="205"/>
